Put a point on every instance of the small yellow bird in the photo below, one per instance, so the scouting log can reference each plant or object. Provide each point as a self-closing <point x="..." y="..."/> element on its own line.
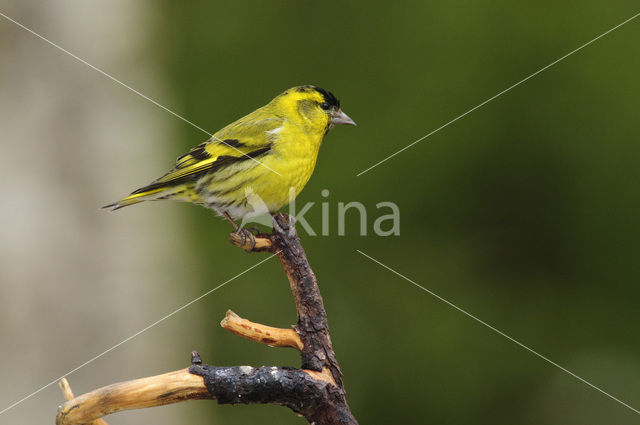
<point x="264" y="158"/>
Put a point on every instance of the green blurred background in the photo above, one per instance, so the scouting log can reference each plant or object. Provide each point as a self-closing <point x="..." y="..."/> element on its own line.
<point x="525" y="213"/>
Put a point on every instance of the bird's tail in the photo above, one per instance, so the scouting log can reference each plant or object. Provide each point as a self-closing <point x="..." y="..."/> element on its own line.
<point x="148" y="193"/>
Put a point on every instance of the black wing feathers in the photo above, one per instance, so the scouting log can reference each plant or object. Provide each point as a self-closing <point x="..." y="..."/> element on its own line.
<point x="220" y="162"/>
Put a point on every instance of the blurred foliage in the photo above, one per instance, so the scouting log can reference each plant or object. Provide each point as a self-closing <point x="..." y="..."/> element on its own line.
<point x="524" y="213"/>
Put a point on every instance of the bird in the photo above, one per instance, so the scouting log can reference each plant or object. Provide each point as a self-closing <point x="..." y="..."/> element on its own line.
<point x="263" y="159"/>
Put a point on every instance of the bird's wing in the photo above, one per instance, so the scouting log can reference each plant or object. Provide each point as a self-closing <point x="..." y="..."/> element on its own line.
<point x="240" y="141"/>
<point x="209" y="156"/>
<point x="244" y="140"/>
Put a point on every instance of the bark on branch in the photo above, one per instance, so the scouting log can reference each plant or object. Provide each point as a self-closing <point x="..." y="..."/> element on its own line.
<point x="315" y="390"/>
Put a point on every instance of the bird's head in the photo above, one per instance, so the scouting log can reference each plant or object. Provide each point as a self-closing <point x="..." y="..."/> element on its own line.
<point x="315" y="107"/>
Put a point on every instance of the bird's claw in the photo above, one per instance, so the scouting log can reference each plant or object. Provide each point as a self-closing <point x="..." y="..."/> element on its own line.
<point x="254" y="229"/>
<point x="244" y="233"/>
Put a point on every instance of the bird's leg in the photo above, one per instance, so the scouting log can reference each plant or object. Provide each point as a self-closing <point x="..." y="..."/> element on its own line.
<point x="242" y="232"/>
<point x="230" y="220"/>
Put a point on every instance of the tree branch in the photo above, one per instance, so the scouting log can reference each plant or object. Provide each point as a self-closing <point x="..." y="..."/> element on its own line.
<point x="312" y="326"/>
<point x="315" y="390"/>
<point x="157" y="390"/>
<point x="274" y="337"/>
<point x="68" y="395"/>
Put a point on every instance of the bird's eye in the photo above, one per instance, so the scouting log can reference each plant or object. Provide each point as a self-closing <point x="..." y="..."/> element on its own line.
<point x="324" y="105"/>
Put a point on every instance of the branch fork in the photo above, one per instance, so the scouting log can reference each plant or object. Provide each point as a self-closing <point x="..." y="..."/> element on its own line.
<point x="315" y="390"/>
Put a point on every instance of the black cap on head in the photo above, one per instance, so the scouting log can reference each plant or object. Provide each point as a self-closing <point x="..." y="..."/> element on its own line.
<point x="328" y="96"/>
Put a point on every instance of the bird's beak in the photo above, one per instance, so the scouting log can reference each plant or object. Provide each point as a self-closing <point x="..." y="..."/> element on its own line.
<point x="341" y="118"/>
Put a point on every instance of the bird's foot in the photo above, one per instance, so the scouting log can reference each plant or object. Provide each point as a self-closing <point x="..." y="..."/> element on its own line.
<point x="247" y="238"/>
<point x="254" y="229"/>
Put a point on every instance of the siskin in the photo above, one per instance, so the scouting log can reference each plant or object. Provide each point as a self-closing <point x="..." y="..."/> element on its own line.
<point x="266" y="156"/>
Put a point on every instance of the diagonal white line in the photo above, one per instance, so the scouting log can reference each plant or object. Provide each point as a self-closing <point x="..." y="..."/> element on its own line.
<point x="135" y="334"/>
<point x="104" y="73"/>
<point x="499" y="94"/>
<point x="131" y="89"/>
<point x="498" y="331"/>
